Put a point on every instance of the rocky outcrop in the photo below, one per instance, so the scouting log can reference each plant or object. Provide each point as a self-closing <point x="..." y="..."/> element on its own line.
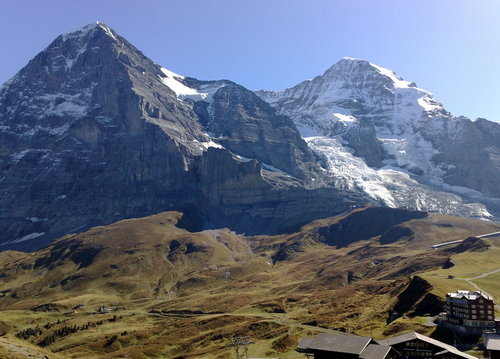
<point x="366" y="224"/>
<point x="472" y="150"/>
<point x="471" y="244"/>
<point x="243" y="195"/>
<point x="416" y="300"/>
<point x="245" y="124"/>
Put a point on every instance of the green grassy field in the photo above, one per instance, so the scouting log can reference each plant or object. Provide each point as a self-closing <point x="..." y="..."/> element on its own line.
<point x="469" y="265"/>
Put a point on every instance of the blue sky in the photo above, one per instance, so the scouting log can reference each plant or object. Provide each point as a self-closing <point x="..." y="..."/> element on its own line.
<point x="449" y="47"/>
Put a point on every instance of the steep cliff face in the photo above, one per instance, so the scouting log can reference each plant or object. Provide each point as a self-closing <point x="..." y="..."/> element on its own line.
<point x="92" y="131"/>
<point x="253" y="198"/>
<point x="90" y="134"/>
<point x="358" y="114"/>
<point x="245" y="124"/>
<point x="472" y="150"/>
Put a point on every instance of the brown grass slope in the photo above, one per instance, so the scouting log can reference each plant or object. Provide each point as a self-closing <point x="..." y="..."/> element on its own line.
<point x="182" y="294"/>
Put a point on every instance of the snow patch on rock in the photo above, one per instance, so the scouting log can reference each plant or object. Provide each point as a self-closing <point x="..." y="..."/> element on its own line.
<point x="174" y="82"/>
<point x="26" y="238"/>
<point x="207" y="144"/>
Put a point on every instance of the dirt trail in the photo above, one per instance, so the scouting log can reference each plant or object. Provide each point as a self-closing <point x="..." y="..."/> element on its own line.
<point x="483" y="275"/>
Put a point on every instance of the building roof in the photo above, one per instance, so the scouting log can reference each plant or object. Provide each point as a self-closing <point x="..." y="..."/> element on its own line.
<point x="412" y="336"/>
<point x="375" y="351"/>
<point x="442" y="352"/>
<point x="340" y="343"/>
<point x="492" y="343"/>
<point x="304" y="344"/>
<point x="471" y="295"/>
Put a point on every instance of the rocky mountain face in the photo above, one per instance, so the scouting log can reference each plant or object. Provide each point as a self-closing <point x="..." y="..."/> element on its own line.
<point x="391" y="140"/>
<point x="92" y="131"/>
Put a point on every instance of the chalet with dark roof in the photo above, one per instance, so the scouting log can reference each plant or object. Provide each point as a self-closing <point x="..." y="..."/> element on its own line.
<point x="407" y="346"/>
<point x="344" y="346"/>
<point x="492" y="345"/>
<point x="418" y="346"/>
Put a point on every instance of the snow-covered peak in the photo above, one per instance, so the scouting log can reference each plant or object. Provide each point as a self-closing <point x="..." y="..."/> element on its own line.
<point x="363" y="115"/>
<point x="352" y="87"/>
<point x="85" y="31"/>
<point x="54" y="88"/>
<point x="398" y="81"/>
<point x="355" y="94"/>
<point x="348" y="58"/>
<point x="110" y="32"/>
<point x="350" y="66"/>
<point x="370" y="80"/>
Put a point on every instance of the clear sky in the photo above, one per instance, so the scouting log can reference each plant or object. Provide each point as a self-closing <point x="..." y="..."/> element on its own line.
<point x="449" y="47"/>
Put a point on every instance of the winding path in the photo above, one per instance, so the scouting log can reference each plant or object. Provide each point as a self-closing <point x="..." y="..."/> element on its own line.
<point x="470" y="281"/>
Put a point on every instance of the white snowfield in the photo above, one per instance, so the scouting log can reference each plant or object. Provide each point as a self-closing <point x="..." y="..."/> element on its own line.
<point x="390" y="186"/>
<point x="206" y="145"/>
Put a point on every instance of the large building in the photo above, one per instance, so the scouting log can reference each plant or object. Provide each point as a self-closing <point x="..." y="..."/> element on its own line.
<point x="470" y="309"/>
<point x="407" y="346"/>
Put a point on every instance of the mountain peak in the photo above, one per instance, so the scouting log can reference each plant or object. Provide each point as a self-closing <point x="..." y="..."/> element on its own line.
<point x="89" y="30"/>
<point x="352" y="59"/>
<point x="352" y="66"/>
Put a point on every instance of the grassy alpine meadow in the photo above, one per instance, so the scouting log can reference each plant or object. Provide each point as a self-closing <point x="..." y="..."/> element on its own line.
<point x="146" y="288"/>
